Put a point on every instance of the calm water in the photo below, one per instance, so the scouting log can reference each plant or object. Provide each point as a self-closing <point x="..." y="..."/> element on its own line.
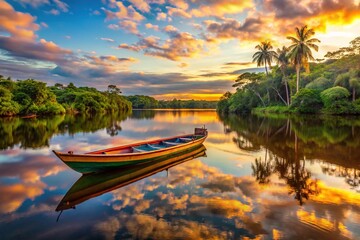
<point x="261" y="178"/>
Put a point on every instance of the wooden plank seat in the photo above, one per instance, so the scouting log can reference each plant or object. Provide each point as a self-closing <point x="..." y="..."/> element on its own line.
<point x="138" y="150"/>
<point x="186" y="139"/>
<point x="154" y="147"/>
<point x="172" y="143"/>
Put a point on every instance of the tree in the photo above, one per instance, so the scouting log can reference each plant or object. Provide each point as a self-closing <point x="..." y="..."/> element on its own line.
<point x="265" y="55"/>
<point x="350" y="81"/>
<point x="113" y="89"/>
<point x="300" y="50"/>
<point x="353" y="49"/>
<point x="354" y="81"/>
<point x="282" y="60"/>
<point x="249" y="81"/>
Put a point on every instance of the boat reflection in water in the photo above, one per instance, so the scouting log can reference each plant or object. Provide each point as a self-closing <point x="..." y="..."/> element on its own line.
<point x="95" y="184"/>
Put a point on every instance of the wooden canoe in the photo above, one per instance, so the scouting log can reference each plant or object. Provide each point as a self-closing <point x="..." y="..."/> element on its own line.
<point x="133" y="153"/>
<point x="95" y="184"/>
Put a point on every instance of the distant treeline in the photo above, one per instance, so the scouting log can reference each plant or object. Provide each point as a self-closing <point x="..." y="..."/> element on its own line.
<point x="146" y="102"/>
<point x="29" y="97"/>
<point x="32" y="97"/>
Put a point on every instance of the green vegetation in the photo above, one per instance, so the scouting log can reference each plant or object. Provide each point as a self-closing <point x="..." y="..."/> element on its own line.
<point x="28" y="97"/>
<point x="290" y="143"/>
<point x="36" y="133"/>
<point x="332" y="86"/>
<point x="146" y="102"/>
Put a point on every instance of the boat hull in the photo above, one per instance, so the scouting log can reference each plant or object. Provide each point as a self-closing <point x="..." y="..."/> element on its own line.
<point x="92" y="185"/>
<point x="87" y="163"/>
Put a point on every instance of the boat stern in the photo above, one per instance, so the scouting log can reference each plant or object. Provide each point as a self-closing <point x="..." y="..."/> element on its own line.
<point x="201" y="131"/>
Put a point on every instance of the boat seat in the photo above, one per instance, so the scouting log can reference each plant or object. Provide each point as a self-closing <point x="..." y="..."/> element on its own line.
<point x="172" y="143"/>
<point x="186" y="139"/>
<point x="153" y="147"/>
<point x="138" y="150"/>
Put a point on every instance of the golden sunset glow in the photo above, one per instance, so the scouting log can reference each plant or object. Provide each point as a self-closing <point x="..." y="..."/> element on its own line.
<point x="166" y="49"/>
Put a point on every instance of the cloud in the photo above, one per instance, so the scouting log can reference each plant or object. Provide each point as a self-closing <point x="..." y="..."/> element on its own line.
<point x="93" y="67"/>
<point x="43" y="24"/>
<point x="42" y="50"/>
<point x="96" y="12"/>
<point x="17" y="24"/>
<point x="183" y="65"/>
<point x="161" y="16"/>
<point x="59" y="5"/>
<point x="179" y="45"/>
<point x="34" y="3"/>
<point x="142" y="5"/>
<point x="124" y="12"/>
<point x="179" y="4"/>
<point x="220" y="8"/>
<point x="197" y="26"/>
<point x="107" y="39"/>
<point x="129" y="26"/>
<point x="237" y="63"/>
<point x="54" y="12"/>
<point x="252" y="28"/>
<point x="178" y="12"/>
<point x="317" y="15"/>
<point x="151" y="26"/>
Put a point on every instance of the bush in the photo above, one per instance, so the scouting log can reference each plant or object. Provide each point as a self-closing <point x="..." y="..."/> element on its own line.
<point x="242" y="102"/>
<point x="306" y="101"/>
<point x="51" y="108"/>
<point x="335" y="100"/>
<point x="334" y="94"/>
<point x="356" y="106"/>
<point x="7" y="106"/>
<point x="271" y="109"/>
<point x="320" y="84"/>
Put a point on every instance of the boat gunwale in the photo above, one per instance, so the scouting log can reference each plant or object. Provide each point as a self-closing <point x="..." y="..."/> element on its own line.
<point x="99" y="152"/>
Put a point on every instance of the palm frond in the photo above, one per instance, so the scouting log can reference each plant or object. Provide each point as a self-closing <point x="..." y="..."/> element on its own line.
<point x="294" y="40"/>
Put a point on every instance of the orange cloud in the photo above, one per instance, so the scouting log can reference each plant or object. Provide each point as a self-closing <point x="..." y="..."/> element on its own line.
<point x="124" y="12"/>
<point x="18" y="24"/>
<point x="129" y="26"/>
<point x="220" y="8"/>
<point x="151" y="26"/>
<point x="179" y="45"/>
<point x="12" y="196"/>
<point x="182" y="4"/>
<point x="178" y="12"/>
<point x="318" y="15"/>
<point x="141" y="5"/>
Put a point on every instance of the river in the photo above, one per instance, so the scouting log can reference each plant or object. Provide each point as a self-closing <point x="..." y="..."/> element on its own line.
<point x="261" y="177"/>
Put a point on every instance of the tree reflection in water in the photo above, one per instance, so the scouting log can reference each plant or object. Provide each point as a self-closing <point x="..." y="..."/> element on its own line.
<point x="289" y="145"/>
<point x="36" y="133"/>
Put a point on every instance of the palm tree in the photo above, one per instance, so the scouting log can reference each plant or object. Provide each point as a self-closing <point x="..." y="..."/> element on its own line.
<point x="264" y="56"/>
<point x="300" y="50"/>
<point x="282" y="60"/>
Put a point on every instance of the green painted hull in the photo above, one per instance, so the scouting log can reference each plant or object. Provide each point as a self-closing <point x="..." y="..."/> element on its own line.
<point x="95" y="184"/>
<point x="89" y="167"/>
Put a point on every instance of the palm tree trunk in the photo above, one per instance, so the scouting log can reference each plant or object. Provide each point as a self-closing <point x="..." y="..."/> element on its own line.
<point x="287" y="93"/>
<point x="266" y="70"/>
<point x="297" y="77"/>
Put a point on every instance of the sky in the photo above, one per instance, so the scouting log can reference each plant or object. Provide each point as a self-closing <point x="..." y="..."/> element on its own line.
<point x="184" y="49"/>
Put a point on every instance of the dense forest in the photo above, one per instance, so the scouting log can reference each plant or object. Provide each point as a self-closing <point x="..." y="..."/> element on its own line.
<point x="146" y="102"/>
<point x="331" y="87"/>
<point x="28" y="97"/>
<point x="31" y="97"/>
